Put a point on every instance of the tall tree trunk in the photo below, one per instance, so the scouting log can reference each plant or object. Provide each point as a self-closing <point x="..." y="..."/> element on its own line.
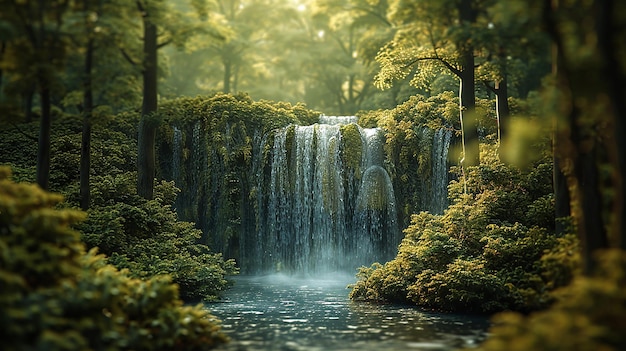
<point x="146" y="157"/>
<point x="616" y="80"/>
<point x="503" y="111"/>
<point x="43" y="152"/>
<point x="28" y="96"/>
<point x="469" y="121"/>
<point x="227" y="76"/>
<point x="590" y="224"/>
<point x="3" y="47"/>
<point x="85" y="148"/>
<point x="562" y="207"/>
<point x="587" y="146"/>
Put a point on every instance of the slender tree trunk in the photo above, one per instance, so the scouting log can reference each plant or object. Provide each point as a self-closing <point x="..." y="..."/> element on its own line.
<point x="502" y="107"/>
<point x="43" y="152"/>
<point x="85" y="148"/>
<point x="227" y="74"/>
<point x="616" y="80"/>
<point x="28" y="96"/>
<point x="351" y="95"/>
<point x="469" y="121"/>
<point x="562" y="207"/>
<point x="146" y="157"/>
<point x="234" y="87"/>
<point x="3" y="47"/>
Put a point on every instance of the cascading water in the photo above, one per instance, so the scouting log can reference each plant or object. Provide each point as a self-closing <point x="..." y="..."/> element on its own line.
<point x="335" y="120"/>
<point x="311" y="223"/>
<point x="439" y="177"/>
<point x="306" y="199"/>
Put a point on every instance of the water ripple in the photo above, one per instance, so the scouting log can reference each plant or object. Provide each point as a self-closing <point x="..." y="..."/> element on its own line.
<point x="263" y="313"/>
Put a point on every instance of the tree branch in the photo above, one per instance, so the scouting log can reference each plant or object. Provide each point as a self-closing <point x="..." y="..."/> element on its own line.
<point x="492" y="89"/>
<point x="128" y="58"/>
<point x="371" y="13"/>
<point x="165" y="43"/>
<point x="449" y="66"/>
<point x="24" y="133"/>
<point x="140" y="7"/>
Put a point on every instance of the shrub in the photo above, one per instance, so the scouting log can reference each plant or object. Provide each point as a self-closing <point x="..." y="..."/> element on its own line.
<point x="589" y="315"/>
<point x="54" y="296"/>
<point x="145" y="237"/>
<point x="486" y="253"/>
<point x="465" y="285"/>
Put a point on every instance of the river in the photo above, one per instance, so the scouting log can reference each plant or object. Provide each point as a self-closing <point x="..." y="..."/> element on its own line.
<point x="280" y="312"/>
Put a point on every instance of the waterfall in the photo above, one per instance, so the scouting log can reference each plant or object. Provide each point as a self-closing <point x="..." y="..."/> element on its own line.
<point x="313" y="222"/>
<point x="309" y="199"/>
<point x="439" y="176"/>
<point x="376" y="215"/>
<point x="337" y="120"/>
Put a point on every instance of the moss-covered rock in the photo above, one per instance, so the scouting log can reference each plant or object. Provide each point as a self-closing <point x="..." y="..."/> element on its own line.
<point x="351" y="148"/>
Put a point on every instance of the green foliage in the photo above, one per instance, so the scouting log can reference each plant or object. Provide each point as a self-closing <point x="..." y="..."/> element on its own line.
<point x="408" y="130"/>
<point x="214" y="158"/>
<point x="508" y="194"/>
<point x="54" y="296"/>
<point x="463" y="286"/>
<point x="146" y="237"/>
<point x="589" y="313"/>
<point x="491" y="250"/>
<point x="113" y="150"/>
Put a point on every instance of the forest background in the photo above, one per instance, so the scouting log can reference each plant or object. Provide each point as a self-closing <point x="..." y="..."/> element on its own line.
<point x="80" y="68"/>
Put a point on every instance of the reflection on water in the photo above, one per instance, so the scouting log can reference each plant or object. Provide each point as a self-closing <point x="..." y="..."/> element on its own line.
<point x="285" y="313"/>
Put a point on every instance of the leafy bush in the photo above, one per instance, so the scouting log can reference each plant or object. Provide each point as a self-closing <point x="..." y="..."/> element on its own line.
<point x="145" y="237"/>
<point x="54" y="296"/>
<point x="590" y="313"/>
<point x="486" y="253"/>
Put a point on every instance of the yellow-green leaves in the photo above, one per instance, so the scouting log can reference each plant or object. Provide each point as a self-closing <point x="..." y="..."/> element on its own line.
<point x="54" y="296"/>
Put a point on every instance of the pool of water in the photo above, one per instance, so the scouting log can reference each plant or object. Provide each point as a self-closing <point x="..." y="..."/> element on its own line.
<point x="285" y="313"/>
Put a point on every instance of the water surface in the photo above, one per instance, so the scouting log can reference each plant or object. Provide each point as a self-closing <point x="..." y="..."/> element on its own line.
<point x="285" y="313"/>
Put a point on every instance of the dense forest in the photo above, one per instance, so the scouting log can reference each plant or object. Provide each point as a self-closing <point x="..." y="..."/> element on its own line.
<point x="137" y="137"/>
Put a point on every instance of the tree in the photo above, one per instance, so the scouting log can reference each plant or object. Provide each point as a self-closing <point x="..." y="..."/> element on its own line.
<point x="512" y="43"/>
<point x="247" y="46"/>
<point x="97" y="82"/>
<point x="435" y="37"/>
<point x="348" y="34"/>
<point x="174" y="29"/>
<point x="590" y="101"/>
<point x="146" y="156"/>
<point x="85" y="147"/>
<point x="37" y="53"/>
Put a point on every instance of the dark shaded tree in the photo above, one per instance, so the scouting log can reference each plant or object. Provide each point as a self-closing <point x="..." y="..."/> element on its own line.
<point x="162" y="25"/>
<point x="37" y="53"/>
<point x="590" y="100"/>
